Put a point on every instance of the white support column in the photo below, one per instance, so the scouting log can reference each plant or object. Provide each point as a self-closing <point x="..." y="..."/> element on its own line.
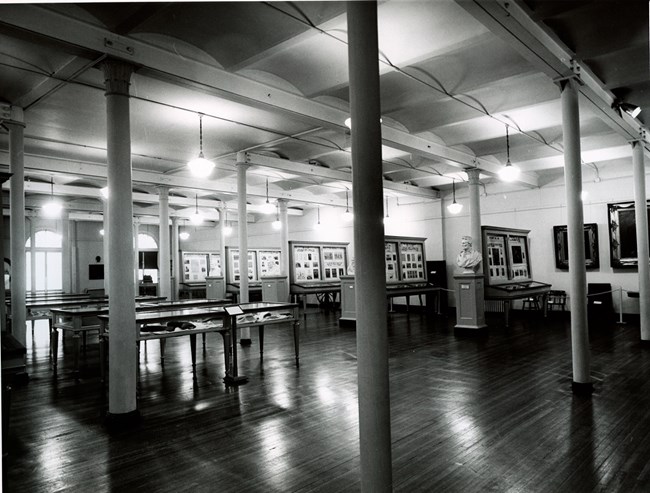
<point x="107" y="226"/>
<point x="17" y="225"/>
<point x="641" y="213"/>
<point x="221" y="233"/>
<point x="475" y="211"/>
<point x="242" y="212"/>
<point x="122" y="403"/>
<point x="175" y="259"/>
<point x="284" y="243"/>
<point x="66" y="253"/>
<point x="32" y="258"/>
<point x="164" y="282"/>
<point x="372" y="329"/>
<point x="136" y="253"/>
<point x="74" y="259"/>
<point x="575" y="226"/>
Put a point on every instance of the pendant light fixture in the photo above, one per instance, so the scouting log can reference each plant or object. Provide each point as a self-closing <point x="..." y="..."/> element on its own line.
<point x="508" y="172"/>
<point x="318" y="224"/>
<point x="196" y="218"/>
<point x="454" y="207"/>
<point x="227" y="228"/>
<point x="267" y="207"/>
<point x="200" y="166"/>
<point x="387" y="216"/>
<point x="277" y="224"/>
<point x="53" y="207"/>
<point x="347" y="215"/>
<point x="104" y="192"/>
<point x="183" y="235"/>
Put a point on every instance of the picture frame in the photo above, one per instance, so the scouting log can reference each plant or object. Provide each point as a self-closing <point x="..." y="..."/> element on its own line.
<point x="622" y="234"/>
<point x="561" y="246"/>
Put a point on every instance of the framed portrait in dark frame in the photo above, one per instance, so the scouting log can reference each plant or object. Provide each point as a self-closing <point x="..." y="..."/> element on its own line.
<point x="561" y="243"/>
<point x="622" y="234"/>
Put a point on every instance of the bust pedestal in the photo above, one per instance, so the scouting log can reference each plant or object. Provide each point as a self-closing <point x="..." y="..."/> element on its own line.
<point x="470" y="309"/>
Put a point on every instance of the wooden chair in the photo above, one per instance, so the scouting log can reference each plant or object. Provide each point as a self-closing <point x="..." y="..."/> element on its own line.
<point x="530" y="303"/>
<point x="556" y="300"/>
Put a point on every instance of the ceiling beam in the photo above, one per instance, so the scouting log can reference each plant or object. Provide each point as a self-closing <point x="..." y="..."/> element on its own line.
<point x="512" y="22"/>
<point x="53" y="166"/>
<point x="334" y="175"/>
<point x="156" y="62"/>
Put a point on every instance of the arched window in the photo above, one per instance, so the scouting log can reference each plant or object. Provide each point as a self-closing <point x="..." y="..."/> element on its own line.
<point x="147" y="257"/>
<point x="46" y="257"/>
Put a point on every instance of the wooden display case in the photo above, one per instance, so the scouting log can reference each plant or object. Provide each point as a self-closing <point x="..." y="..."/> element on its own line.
<point x="405" y="259"/>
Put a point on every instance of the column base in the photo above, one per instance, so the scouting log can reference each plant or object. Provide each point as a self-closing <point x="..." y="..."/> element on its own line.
<point x="582" y="388"/>
<point x="234" y="381"/>
<point x="475" y="331"/>
<point x="347" y="322"/>
<point x="245" y="342"/>
<point x="123" y="421"/>
<point x="645" y="343"/>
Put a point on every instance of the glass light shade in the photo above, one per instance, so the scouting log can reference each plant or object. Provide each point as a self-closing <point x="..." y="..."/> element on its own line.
<point x="509" y="172"/>
<point x="104" y="192"/>
<point x="52" y="208"/>
<point x="455" y="207"/>
<point x="268" y="208"/>
<point x="347" y="216"/>
<point x="101" y="232"/>
<point x="277" y="225"/>
<point x="200" y="167"/>
<point x="388" y="220"/>
<point x="227" y="230"/>
<point x="583" y="195"/>
<point x="196" y="218"/>
<point x="183" y="235"/>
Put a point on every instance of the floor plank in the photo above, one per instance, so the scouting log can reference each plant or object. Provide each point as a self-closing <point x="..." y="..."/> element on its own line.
<point x="494" y="413"/>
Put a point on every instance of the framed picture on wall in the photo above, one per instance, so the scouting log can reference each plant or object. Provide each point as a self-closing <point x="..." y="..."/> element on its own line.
<point x="622" y="234"/>
<point x="561" y="244"/>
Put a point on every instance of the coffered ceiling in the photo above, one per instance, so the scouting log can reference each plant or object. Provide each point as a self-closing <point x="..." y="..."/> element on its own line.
<point x="271" y="80"/>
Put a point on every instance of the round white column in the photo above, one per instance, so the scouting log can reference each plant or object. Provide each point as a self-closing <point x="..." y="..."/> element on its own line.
<point x="164" y="282"/>
<point x="641" y="213"/>
<point x="242" y="212"/>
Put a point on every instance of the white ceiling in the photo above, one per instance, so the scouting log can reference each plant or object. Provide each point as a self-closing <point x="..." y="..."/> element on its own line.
<point x="271" y="78"/>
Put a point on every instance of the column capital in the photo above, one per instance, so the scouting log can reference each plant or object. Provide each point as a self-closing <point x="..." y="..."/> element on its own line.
<point x="473" y="175"/>
<point x="242" y="166"/>
<point x="12" y="115"/>
<point x="163" y="190"/>
<point x="117" y="76"/>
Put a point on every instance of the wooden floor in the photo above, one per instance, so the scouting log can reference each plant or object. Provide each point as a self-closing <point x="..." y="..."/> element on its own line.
<point x="468" y="414"/>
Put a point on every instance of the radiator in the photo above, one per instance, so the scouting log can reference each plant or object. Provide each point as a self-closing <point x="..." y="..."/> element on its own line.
<point x="494" y="306"/>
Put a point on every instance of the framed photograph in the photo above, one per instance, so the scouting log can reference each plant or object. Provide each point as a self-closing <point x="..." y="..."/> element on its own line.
<point x="561" y="244"/>
<point x="622" y="234"/>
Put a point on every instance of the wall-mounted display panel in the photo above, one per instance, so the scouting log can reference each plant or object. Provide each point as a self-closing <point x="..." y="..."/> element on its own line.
<point x="622" y="234"/>
<point x="561" y="244"/>
<point x="317" y="261"/>
<point x="269" y="263"/>
<point x="505" y="255"/>
<point x="198" y="265"/>
<point x="235" y="266"/>
<point x="405" y="259"/>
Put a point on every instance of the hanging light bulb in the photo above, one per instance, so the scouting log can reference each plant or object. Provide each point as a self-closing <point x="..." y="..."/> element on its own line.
<point x="508" y="172"/>
<point x="277" y="224"/>
<point x="53" y="207"/>
<point x="387" y="219"/>
<point x="347" y="215"/>
<point x="200" y="167"/>
<point x="267" y="207"/>
<point x="101" y="231"/>
<point x="183" y="235"/>
<point x="104" y="192"/>
<point x="454" y="207"/>
<point x="196" y="218"/>
<point x="227" y="228"/>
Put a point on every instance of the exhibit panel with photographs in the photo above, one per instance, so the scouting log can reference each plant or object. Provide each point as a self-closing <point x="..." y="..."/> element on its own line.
<point x="198" y="265"/>
<point x="235" y="265"/>
<point x="269" y="263"/>
<point x="405" y="259"/>
<point x="392" y="269"/>
<point x="505" y="255"/>
<point x="317" y="262"/>
<point x="622" y="234"/>
<point x="334" y="262"/>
